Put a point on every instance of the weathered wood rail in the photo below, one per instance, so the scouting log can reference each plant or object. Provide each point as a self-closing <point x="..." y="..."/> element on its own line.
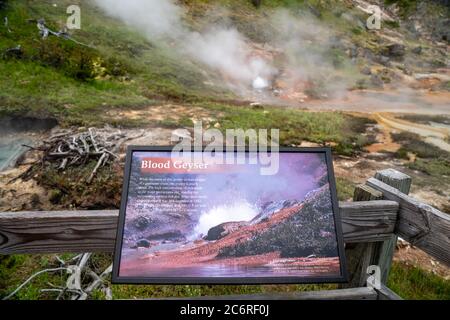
<point x="93" y="231"/>
<point x="370" y="229"/>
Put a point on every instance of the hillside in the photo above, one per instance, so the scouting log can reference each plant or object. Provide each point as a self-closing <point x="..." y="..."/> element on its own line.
<point x="310" y="68"/>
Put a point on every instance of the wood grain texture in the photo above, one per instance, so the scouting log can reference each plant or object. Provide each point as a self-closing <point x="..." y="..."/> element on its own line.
<point x="93" y="231"/>
<point x="363" y="293"/>
<point x="368" y="221"/>
<point x="384" y="293"/>
<point x="365" y="193"/>
<point x="418" y="223"/>
<point x="384" y="251"/>
<point x="395" y="179"/>
<point x="360" y="255"/>
<point x="57" y="231"/>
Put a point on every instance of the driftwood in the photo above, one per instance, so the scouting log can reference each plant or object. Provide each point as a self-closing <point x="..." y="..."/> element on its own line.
<point x="67" y="149"/>
<point x="77" y="286"/>
<point x="44" y="32"/>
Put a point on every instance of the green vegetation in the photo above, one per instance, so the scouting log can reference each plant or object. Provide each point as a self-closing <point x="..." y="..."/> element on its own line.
<point x="406" y="6"/>
<point x="75" y="83"/>
<point x="414" y="283"/>
<point x="119" y="69"/>
<point x="407" y="281"/>
<point x="413" y="143"/>
<point x="433" y="167"/>
<point x="430" y="159"/>
<point x="426" y="119"/>
<point x="345" y="188"/>
<point x="335" y="128"/>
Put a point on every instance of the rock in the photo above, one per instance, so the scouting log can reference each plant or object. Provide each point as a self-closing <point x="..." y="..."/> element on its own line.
<point x="417" y="50"/>
<point x="256" y="3"/>
<point x="141" y="222"/>
<point x="271" y="208"/>
<point x="376" y="81"/>
<point x="301" y="231"/>
<point x="143" y="243"/>
<point x="171" y="235"/>
<point x="366" y="70"/>
<point x="395" y="50"/>
<point x="223" y="229"/>
<point x="385" y="61"/>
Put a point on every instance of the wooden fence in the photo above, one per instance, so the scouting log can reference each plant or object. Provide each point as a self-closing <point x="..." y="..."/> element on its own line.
<point x="380" y="212"/>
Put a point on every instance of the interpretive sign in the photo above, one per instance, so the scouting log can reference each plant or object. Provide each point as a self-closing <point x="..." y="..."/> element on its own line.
<point x="201" y="217"/>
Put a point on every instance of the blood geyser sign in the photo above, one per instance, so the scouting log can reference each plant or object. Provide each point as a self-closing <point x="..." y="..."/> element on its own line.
<point x="193" y="220"/>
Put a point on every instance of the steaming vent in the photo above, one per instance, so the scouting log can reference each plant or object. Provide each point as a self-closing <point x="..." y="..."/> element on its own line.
<point x="260" y="83"/>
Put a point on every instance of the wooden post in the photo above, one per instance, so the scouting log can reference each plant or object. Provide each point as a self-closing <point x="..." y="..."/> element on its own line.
<point x="362" y="255"/>
<point x="384" y="251"/>
<point x="359" y="256"/>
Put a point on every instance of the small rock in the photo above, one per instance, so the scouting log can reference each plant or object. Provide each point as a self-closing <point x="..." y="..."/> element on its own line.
<point x="143" y="243"/>
<point x="417" y="50"/>
<point x="366" y="70"/>
<point x="376" y="81"/>
<point x="395" y="50"/>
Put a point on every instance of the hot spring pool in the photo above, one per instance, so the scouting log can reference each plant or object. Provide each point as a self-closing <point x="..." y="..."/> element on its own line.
<point x="10" y="150"/>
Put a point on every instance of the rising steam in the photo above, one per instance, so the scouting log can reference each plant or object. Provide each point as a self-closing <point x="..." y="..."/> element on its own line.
<point x="300" y="39"/>
<point x="223" y="49"/>
<point x="237" y="211"/>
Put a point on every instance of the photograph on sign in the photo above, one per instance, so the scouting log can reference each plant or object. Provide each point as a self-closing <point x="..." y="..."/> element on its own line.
<point x="200" y="219"/>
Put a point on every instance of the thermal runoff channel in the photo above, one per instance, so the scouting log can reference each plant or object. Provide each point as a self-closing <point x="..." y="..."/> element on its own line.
<point x="228" y="220"/>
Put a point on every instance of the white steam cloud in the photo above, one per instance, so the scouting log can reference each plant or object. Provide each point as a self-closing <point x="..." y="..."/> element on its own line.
<point x="239" y="211"/>
<point x="223" y="49"/>
<point x="155" y="18"/>
<point x="301" y="46"/>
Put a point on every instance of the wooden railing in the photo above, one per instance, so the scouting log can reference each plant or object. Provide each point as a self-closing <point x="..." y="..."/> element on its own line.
<point x="370" y="229"/>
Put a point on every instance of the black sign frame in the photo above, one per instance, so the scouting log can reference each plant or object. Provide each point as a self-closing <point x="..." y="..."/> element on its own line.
<point x="117" y="279"/>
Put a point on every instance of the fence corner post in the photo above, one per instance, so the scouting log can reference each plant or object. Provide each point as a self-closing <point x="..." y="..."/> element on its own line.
<point x="384" y="252"/>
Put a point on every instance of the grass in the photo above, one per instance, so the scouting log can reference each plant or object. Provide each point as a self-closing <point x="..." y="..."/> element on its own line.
<point x="407" y="281"/>
<point x="426" y="119"/>
<point x="338" y="129"/>
<point x="429" y="159"/>
<point x="413" y="143"/>
<point x="433" y="167"/>
<point x="414" y="283"/>
<point x="345" y="188"/>
<point x="76" y="84"/>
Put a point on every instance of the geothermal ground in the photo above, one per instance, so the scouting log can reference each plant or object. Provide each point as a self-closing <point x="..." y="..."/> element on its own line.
<point x="379" y="98"/>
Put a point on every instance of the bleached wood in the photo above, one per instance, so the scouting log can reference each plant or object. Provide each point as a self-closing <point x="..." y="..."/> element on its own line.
<point x="418" y="223"/>
<point x="363" y="293"/>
